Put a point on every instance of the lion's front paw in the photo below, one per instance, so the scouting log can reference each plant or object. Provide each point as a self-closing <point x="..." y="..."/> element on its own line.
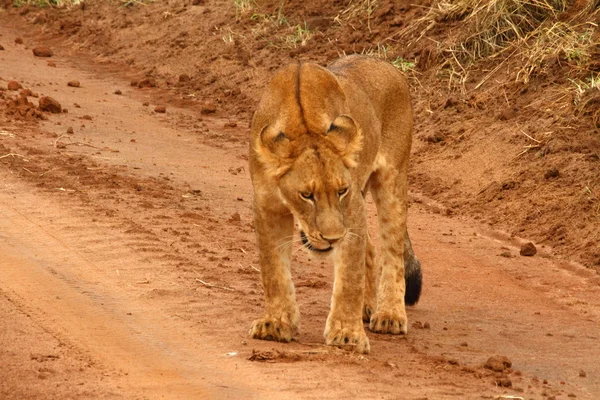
<point x="388" y="322"/>
<point x="348" y="339"/>
<point x="272" y="329"/>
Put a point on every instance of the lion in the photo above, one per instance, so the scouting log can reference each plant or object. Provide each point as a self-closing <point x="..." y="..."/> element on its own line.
<point x="321" y="138"/>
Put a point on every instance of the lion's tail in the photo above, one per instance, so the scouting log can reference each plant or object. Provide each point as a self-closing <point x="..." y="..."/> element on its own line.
<point x="413" y="277"/>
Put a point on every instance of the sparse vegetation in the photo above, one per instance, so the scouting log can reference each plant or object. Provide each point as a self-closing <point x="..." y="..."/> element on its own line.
<point x="499" y="29"/>
<point x="300" y="35"/>
<point x="45" y="3"/>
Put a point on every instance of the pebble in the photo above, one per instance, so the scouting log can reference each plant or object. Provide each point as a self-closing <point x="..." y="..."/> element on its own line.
<point x="74" y="83"/>
<point x="42" y="51"/>
<point x="13" y="85"/>
<point x="498" y="363"/>
<point x="160" y="109"/>
<point x="49" y="104"/>
<point x="528" y="250"/>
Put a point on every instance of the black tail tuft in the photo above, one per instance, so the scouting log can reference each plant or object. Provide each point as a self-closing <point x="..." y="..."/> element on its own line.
<point x="414" y="280"/>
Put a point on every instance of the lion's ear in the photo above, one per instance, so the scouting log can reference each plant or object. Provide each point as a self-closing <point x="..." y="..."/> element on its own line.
<point x="273" y="150"/>
<point x="347" y="138"/>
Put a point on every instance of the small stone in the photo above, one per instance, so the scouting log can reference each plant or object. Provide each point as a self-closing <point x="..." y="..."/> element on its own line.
<point x="118" y="92"/>
<point x="235" y="217"/>
<point x="582" y="374"/>
<point x="76" y="105"/>
<point x="504" y="382"/>
<point x="134" y="83"/>
<point x="49" y="104"/>
<point x="18" y="40"/>
<point x="464" y="344"/>
<point x="506" y="254"/>
<point x="70" y="129"/>
<point x="160" y="109"/>
<point x="426" y="325"/>
<point x="184" y="78"/>
<point x="146" y="82"/>
<point x="498" y="363"/>
<point x="1" y="47"/>
<point x="145" y="104"/>
<point x="528" y="250"/>
<point x="230" y="125"/>
<point x="13" y="85"/>
<point x="73" y="83"/>
<point x="88" y="117"/>
<point x="42" y="51"/>
<point x="132" y="141"/>
<point x="551" y="173"/>
<point x="26" y="93"/>
<point x="208" y="108"/>
<point x="52" y="64"/>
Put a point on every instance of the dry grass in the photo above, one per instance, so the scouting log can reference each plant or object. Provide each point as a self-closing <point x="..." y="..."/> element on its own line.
<point x="358" y="10"/>
<point x="499" y="29"/>
<point x="46" y="3"/>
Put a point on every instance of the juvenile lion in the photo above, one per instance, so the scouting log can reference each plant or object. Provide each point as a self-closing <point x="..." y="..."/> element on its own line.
<point x="322" y="138"/>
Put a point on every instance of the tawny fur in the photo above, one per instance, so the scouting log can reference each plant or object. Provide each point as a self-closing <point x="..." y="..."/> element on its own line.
<point x="321" y="138"/>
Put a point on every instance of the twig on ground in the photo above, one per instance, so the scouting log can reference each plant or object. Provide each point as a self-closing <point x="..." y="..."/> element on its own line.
<point x="210" y="285"/>
<point x="12" y="155"/>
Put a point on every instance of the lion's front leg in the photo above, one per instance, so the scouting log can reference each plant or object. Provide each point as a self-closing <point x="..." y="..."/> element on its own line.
<point x="390" y="194"/>
<point x="344" y="327"/>
<point x="281" y="319"/>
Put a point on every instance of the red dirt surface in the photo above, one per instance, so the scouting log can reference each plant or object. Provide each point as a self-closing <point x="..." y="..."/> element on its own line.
<point x="127" y="252"/>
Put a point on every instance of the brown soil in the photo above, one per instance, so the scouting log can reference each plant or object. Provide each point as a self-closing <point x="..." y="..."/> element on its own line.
<point x="129" y="267"/>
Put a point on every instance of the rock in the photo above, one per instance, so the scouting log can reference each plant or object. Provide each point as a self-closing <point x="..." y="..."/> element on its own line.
<point x="118" y="92"/>
<point x="235" y="217"/>
<point x="208" y="108"/>
<point x="498" y="363"/>
<point x="18" y="40"/>
<point x="146" y="82"/>
<point x="1" y="47"/>
<point x="13" y="85"/>
<point x="42" y="51"/>
<point x="528" y="250"/>
<point x="41" y="18"/>
<point x="160" y="109"/>
<point x="52" y="64"/>
<point x="70" y="129"/>
<point x="145" y="104"/>
<point x="230" y="125"/>
<point x="74" y="84"/>
<point x="504" y="382"/>
<point x="551" y="173"/>
<point x="49" y="104"/>
<point x="184" y="78"/>
<point x="87" y="117"/>
<point x="582" y="374"/>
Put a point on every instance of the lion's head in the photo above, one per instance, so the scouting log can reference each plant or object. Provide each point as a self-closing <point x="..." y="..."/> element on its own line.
<point x="306" y="144"/>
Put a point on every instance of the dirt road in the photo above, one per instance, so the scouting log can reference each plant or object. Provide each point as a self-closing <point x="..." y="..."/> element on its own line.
<point x="128" y="269"/>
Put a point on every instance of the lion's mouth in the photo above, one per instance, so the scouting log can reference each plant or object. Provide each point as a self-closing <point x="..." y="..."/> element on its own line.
<point x="310" y="246"/>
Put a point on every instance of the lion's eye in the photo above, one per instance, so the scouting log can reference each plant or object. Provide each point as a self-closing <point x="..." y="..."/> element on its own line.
<point x="307" y="196"/>
<point x="342" y="192"/>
